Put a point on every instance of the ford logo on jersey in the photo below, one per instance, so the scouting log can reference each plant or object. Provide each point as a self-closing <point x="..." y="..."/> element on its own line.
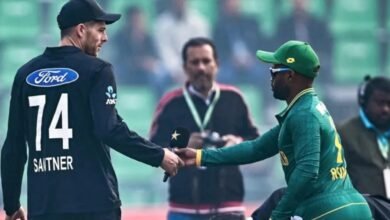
<point x="52" y="77"/>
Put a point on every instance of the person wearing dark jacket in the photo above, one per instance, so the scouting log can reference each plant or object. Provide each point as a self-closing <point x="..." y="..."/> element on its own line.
<point x="366" y="139"/>
<point x="217" y="117"/>
<point x="63" y="107"/>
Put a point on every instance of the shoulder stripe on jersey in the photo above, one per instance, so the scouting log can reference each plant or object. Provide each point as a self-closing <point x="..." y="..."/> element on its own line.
<point x="225" y="87"/>
<point x="167" y="98"/>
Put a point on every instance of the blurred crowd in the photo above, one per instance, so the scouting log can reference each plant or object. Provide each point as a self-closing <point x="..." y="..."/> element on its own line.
<point x="150" y="55"/>
<point x="145" y="47"/>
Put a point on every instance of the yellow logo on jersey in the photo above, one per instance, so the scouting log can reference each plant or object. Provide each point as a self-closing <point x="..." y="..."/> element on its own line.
<point x="283" y="158"/>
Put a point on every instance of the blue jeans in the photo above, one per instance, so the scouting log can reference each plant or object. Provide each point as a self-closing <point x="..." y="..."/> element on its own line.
<point x="183" y="216"/>
<point x="104" y="215"/>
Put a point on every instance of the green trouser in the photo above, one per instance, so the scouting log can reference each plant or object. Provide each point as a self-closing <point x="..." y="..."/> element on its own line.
<point x="345" y="205"/>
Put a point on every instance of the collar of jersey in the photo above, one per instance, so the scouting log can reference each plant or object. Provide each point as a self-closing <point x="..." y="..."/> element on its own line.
<point x="193" y="91"/>
<point x="295" y="99"/>
<point x="62" y="49"/>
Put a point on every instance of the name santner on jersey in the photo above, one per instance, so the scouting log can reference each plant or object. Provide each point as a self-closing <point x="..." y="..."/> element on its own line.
<point x="47" y="164"/>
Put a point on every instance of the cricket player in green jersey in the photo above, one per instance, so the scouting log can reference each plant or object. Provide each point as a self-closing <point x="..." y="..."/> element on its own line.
<point x="310" y="150"/>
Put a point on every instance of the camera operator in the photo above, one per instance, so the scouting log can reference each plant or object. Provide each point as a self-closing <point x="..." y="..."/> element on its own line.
<point x="217" y="116"/>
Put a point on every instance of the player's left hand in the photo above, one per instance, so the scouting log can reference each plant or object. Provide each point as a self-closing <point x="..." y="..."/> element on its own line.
<point x="19" y="214"/>
<point x="188" y="155"/>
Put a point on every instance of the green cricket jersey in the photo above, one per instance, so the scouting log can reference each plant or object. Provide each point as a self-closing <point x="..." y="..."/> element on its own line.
<point x="310" y="152"/>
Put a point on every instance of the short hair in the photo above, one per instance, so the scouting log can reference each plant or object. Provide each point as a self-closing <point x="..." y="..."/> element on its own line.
<point x="195" y="42"/>
<point x="66" y="32"/>
<point x="380" y="83"/>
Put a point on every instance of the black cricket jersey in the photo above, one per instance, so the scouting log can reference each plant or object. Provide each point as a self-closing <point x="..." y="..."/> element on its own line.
<point x="63" y="107"/>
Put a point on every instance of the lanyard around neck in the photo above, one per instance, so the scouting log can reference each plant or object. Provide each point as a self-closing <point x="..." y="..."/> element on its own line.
<point x="383" y="144"/>
<point x="194" y="112"/>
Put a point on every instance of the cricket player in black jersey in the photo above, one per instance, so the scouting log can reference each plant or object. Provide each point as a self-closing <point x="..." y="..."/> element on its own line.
<point x="63" y="107"/>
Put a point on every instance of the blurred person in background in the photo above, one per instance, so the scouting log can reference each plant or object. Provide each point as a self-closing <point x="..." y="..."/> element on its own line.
<point x="172" y="28"/>
<point x="318" y="186"/>
<point x="366" y="139"/>
<point x="136" y="57"/>
<point x="304" y="26"/>
<point x="63" y="106"/>
<point x="217" y="117"/>
<point x="236" y="36"/>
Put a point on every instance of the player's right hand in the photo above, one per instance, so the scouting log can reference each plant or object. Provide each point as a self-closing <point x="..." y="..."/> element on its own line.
<point x="171" y="162"/>
<point x="19" y="214"/>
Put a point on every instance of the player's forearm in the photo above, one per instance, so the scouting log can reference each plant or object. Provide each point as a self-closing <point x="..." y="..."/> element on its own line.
<point x="134" y="146"/>
<point x="246" y="152"/>
<point x="12" y="168"/>
<point x="234" y="155"/>
<point x="13" y="153"/>
<point x="113" y="131"/>
<point x="243" y="153"/>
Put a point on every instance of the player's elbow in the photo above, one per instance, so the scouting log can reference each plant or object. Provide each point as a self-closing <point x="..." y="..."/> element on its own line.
<point x="114" y="133"/>
<point x="309" y="170"/>
<point x="13" y="155"/>
<point x="102" y="133"/>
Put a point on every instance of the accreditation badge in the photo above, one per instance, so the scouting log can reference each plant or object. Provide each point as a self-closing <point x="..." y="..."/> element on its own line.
<point x="386" y="177"/>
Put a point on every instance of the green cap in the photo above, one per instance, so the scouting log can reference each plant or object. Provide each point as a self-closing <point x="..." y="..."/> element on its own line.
<point x="297" y="55"/>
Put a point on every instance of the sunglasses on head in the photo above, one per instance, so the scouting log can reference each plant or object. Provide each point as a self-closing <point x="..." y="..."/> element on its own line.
<point x="275" y="71"/>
